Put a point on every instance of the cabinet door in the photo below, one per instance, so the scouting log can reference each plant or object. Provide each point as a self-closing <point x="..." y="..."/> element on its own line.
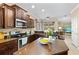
<point x="8" y="48"/>
<point x="12" y="46"/>
<point x="1" y="18"/>
<point x="3" y="49"/>
<point x="9" y="17"/>
<point x="32" y="23"/>
<point x="18" y="12"/>
<point x="21" y="14"/>
<point x="28" y="21"/>
<point x="24" y="15"/>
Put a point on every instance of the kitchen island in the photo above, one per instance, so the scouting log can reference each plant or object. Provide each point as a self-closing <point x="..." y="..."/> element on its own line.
<point x="35" y="48"/>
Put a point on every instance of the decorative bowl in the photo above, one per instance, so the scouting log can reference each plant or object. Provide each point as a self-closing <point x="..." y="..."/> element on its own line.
<point x="44" y="40"/>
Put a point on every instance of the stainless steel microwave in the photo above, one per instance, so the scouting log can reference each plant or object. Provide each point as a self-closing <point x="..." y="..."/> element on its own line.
<point x="20" y="23"/>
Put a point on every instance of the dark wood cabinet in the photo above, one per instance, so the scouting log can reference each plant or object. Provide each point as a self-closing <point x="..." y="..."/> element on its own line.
<point x="7" y="16"/>
<point x="30" y="23"/>
<point x="22" y="15"/>
<point x="8" y="48"/>
<point x="1" y="17"/>
<point x="19" y="12"/>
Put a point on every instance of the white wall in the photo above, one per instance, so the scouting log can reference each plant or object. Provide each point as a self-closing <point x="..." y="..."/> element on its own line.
<point x="75" y="26"/>
<point x="75" y="31"/>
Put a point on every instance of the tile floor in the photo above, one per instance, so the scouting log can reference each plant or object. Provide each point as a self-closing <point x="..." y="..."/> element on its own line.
<point x="72" y="49"/>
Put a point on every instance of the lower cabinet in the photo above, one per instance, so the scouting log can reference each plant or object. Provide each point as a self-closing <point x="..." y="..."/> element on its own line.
<point x="8" y="48"/>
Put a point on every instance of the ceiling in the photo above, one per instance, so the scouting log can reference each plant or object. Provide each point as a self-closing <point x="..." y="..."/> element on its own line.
<point x="51" y="9"/>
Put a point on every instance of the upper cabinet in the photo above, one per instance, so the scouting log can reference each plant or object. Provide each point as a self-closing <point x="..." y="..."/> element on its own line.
<point x="30" y="22"/>
<point x="6" y="16"/>
<point x="1" y="17"/>
<point x="22" y="15"/>
<point x="19" y="12"/>
<point x="9" y="14"/>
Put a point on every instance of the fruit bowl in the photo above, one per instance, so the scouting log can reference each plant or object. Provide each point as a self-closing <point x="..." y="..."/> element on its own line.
<point x="44" y="41"/>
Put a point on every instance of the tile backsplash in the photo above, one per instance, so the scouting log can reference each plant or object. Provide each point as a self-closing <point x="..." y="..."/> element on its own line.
<point x="17" y="29"/>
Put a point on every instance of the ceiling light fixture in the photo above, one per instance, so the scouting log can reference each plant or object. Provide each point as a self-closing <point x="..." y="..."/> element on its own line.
<point x="33" y="6"/>
<point x="43" y="10"/>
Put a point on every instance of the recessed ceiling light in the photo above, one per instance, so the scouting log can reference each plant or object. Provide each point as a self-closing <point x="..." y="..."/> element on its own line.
<point x="33" y="6"/>
<point x="43" y="10"/>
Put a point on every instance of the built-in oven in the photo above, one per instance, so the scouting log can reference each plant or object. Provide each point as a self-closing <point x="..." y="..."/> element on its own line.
<point x="22" y="42"/>
<point x="20" y="23"/>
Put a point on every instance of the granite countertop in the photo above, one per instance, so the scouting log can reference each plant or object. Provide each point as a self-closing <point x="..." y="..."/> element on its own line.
<point x="6" y="40"/>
